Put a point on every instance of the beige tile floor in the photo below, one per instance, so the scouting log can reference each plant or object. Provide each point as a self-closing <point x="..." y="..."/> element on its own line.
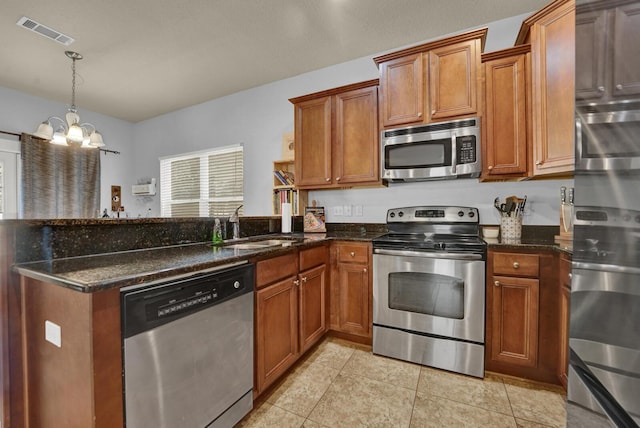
<point x="342" y="384"/>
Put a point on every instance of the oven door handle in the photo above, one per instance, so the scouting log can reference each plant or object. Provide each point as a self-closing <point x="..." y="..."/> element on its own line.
<point x="606" y="268"/>
<point x="428" y="255"/>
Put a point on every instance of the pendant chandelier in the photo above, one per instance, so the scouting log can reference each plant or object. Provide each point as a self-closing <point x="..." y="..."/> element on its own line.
<point x="70" y="131"/>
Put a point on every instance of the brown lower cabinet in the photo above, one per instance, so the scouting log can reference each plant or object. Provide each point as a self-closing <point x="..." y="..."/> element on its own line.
<point x="351" y="300"/>
<point x="290" y="311"/>
<point x="522" y="315"/>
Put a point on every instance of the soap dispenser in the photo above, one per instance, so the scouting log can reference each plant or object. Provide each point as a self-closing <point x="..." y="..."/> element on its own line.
<point x="217" y="232"/>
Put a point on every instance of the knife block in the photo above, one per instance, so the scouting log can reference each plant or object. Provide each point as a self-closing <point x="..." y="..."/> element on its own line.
<point x="566" y="225"/>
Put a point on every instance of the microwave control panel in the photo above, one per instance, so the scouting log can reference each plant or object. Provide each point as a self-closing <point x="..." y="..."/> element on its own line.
<point x="466" y="149"/>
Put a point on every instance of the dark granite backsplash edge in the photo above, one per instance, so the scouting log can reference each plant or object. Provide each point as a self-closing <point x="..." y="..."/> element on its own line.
<point x="59" y="238"/>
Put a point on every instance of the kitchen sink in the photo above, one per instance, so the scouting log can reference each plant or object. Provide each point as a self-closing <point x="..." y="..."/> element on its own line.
<point x="256" y="245"/>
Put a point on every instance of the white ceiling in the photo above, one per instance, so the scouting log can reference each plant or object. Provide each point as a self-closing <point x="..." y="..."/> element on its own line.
<point x="143" y="58"/>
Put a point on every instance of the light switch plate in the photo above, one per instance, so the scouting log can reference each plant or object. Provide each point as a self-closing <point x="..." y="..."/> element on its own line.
<point x="357" y="210"/>
<point x="347" y="210"/>
<point x="53" y="333"/>
<point x="337" y="210"/>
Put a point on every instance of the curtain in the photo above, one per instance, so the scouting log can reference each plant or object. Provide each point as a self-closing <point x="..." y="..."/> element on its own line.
<point x="59" y="181"/>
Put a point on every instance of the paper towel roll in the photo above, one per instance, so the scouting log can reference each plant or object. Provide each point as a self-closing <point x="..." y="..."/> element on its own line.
<point x="286" y="217"/>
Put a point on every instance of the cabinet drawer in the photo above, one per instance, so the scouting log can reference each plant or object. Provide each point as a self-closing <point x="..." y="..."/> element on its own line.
<point x="353" y="253"/>
<point x="313" y="257"/>
<point x="516" y="264"/>
<point x="276" y="268"/>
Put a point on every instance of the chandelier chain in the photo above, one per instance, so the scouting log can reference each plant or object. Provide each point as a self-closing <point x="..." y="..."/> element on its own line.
<point x="73" y="84"/>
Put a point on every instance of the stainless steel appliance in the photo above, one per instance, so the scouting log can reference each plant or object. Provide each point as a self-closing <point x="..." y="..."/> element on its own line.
<point x="607" y="137"/>
<point x="604" y="375"/>
<point x="429" y="288"/>
<point x="188" y="350"/>
<point x="426" y="152"/>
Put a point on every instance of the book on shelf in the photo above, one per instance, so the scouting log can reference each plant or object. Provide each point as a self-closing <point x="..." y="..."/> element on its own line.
<point x="281" y="178"/>
<point x="287" y="178"/>
<point x="281" y="196"/>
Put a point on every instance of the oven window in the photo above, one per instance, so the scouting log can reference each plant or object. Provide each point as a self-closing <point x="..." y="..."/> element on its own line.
<point x="427" y="293"/>
<point x="419" y="154"/>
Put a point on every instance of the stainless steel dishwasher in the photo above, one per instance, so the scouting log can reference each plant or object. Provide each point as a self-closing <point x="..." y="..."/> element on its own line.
<point x="188" y="350"/>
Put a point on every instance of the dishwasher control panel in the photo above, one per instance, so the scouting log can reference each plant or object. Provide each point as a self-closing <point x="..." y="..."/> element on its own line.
<point x="149" y="307"/>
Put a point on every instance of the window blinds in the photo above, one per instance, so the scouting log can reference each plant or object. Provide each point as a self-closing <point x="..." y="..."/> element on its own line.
<point x="202" y="184"/>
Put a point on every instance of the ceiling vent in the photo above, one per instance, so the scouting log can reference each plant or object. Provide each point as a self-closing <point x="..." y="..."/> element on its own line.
<point x="45" y="31"/>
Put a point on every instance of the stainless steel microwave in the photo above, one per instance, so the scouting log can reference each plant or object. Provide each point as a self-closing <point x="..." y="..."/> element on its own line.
<point x="434" y="151"/>
<point x="608" y="137"/>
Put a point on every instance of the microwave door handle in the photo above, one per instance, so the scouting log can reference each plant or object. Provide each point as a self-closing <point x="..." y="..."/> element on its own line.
<point x="454" y="152"/>
<point x="578" y="139"/>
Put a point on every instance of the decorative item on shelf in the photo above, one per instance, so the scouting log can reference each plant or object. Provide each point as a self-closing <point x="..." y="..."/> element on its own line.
<point x="511" y="217"/>
<point x="288" y="146"/>
<point x="314" y="219"/>
<point x="70" y="131"/>
<point x="566" y="216"/>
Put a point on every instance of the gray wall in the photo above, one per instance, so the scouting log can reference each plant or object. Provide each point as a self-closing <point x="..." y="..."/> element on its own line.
<point x="257" y="118"/>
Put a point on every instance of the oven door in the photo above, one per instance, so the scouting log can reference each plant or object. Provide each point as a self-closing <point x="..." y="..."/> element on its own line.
<point x="605" y="341"/>
<point x="435" y="294"/>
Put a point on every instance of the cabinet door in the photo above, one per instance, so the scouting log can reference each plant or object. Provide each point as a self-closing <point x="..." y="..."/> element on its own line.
<point x="355" y="147"/>
<point x="401" y="89"/>
<point x="591" y="51"/>
<point x="553" y="65"/>
<point x="354" y="304"/>
<point x="453" y="71"/>
<point x="313" y="142"/>
<point x="564" y="281"/>
<point x="276" y="331"/>
<point x="626" y="57"/>
<point x="313" y="289"/>
<point x="505" y="117"/>
<point x="514" y="312"/>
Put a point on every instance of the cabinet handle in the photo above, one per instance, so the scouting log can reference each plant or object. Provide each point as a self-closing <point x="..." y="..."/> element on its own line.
<point x="352" y="254"/>
<point x="538" y="163"/>
<point x="304" y="279"/>
<point x="496" y="283"/>
<point x="619" y="87"/>
<point x="364" y="270"/>
<point x="490" y="167"/>
<point x="419" y="114"/>
<point x="296" y="282"/>
<point x="328" y="179"/>
<point x="516" y="265"/>
<point x="570" y="276"/>
<point x="600" y="88"/>
<point x="338" y="178"/>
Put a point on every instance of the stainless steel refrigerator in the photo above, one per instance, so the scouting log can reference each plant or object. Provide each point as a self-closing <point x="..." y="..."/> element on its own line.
<point x="604" y="332"/>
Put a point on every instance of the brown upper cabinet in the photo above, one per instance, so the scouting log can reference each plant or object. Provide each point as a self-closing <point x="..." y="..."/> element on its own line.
<point x="551" y="33"/>
<point x="337" y="138"/>
<point x="505" y="152"/>
<point x="613" y="35"/>
<point x="431" y="82"/>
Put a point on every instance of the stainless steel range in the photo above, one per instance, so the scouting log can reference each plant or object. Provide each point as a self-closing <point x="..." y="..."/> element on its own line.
<point x="429" y="288"/>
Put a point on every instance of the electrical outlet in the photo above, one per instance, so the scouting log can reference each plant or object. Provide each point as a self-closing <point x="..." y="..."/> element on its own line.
<point x="53" y="333"/>
<point x="337" y="211"/>
<point x="357" y="210"/>
<point x="347" y="210"/>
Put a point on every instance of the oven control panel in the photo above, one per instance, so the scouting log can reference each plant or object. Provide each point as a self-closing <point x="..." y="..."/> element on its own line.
<point x="433" y="214"/>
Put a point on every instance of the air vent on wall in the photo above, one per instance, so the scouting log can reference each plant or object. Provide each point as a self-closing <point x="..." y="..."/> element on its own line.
<point x="45" y="31"/>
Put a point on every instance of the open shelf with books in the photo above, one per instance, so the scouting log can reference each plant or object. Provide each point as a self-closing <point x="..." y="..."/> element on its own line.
<point x="284" y="189"/>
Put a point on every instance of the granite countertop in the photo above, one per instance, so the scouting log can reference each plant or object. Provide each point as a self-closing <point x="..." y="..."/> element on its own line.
<point x="102" y="271"/>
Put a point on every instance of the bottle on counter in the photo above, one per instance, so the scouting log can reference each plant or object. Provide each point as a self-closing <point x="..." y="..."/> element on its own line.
<point x="217" y="232"/>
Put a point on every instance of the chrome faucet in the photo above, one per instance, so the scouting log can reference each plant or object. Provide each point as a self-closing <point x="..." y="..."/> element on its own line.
<point x="235" y="220"/>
